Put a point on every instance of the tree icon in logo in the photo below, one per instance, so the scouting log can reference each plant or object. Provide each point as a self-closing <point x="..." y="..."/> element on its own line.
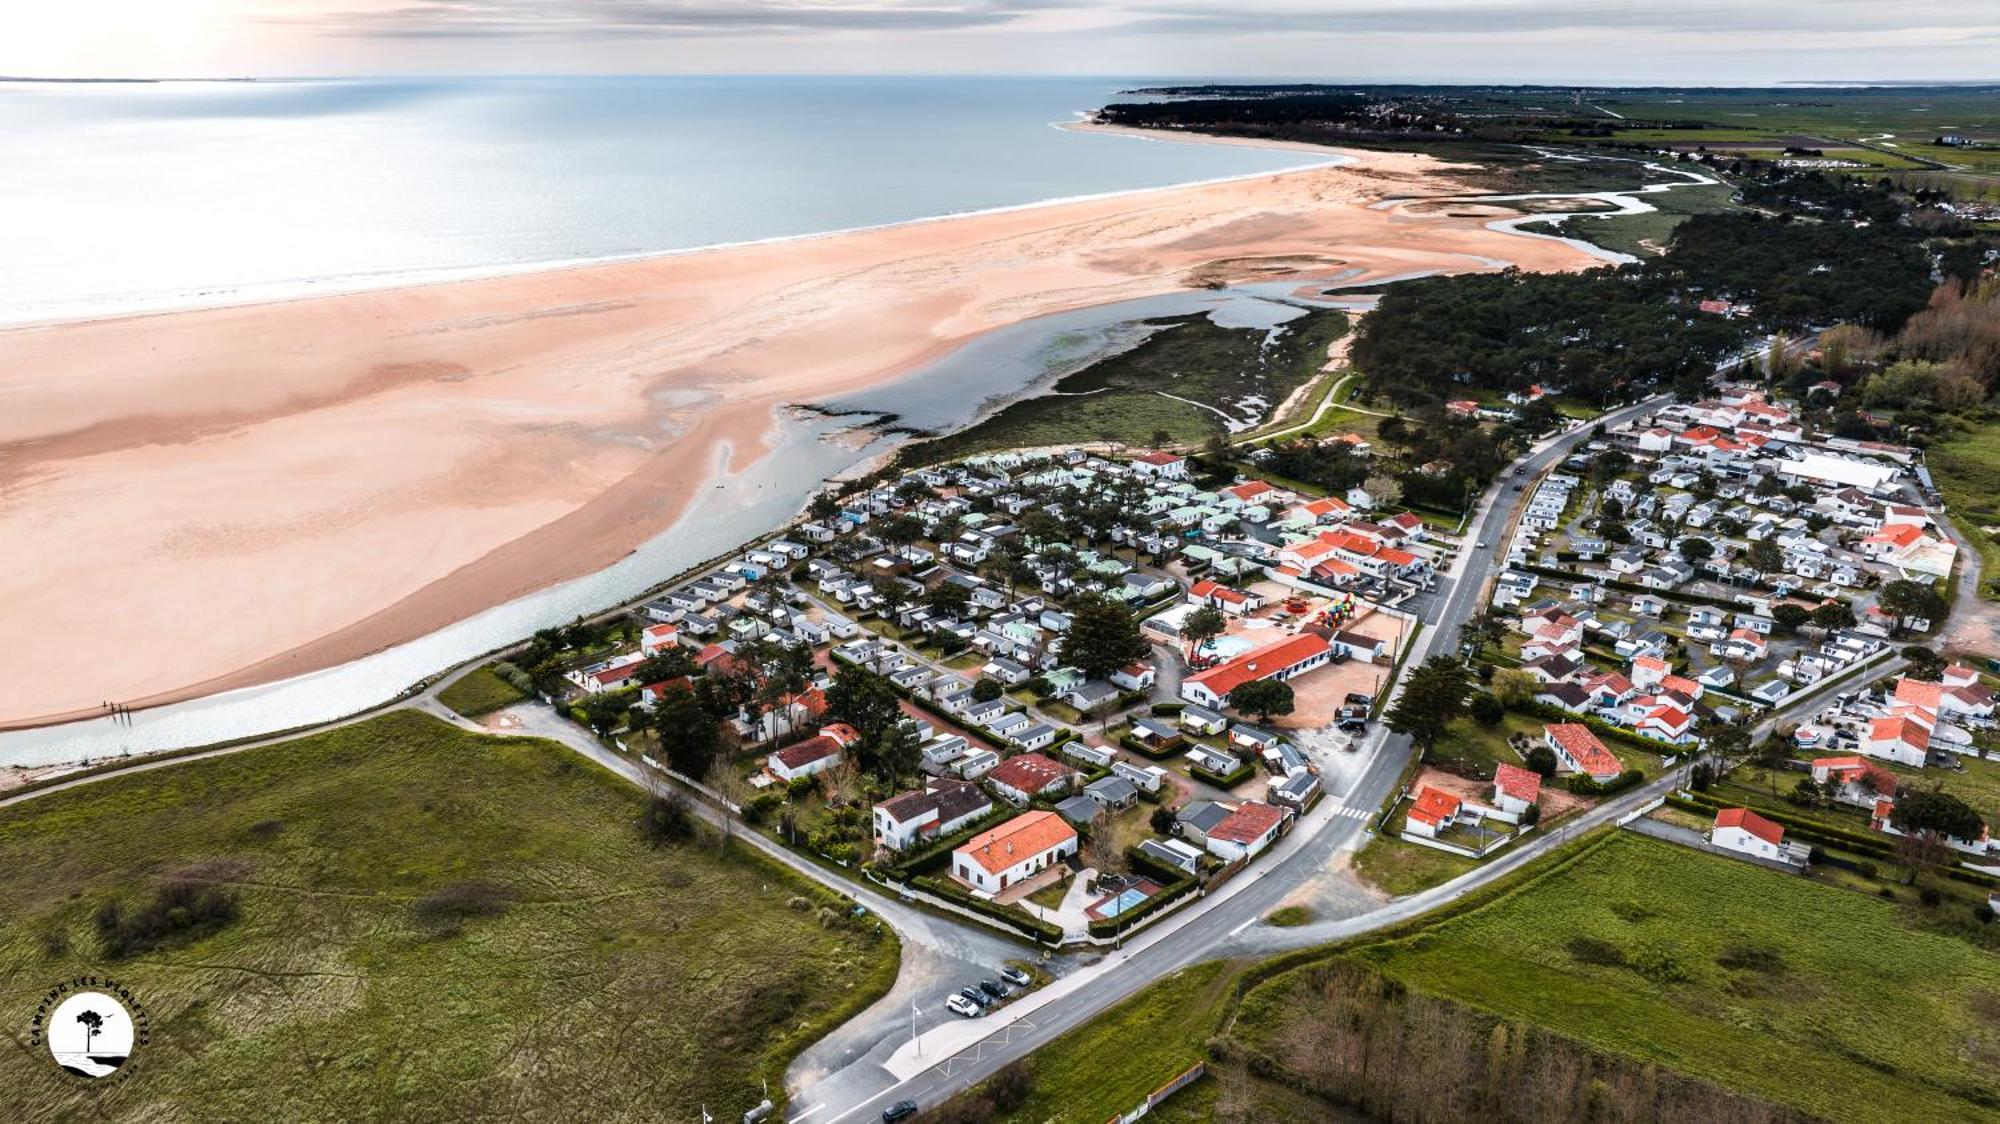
<point x="93" y="1025"/>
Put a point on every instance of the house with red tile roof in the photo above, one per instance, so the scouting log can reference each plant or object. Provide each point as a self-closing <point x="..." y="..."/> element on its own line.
<point x="1578" y="749"/>
<point x="1902" y="738"/>
<point x="1857" y="780"/>
<point x="1746" y="832"/>
<point x="1233" y="601"/>
<point x="1281" y="660"/>
<point x="1432" y="813"/>
<point x="808" y="758"/>
<point x="1020" y="848"/>
<point x="658" y="637"/>
<point x="1246" y="832"/>
<point x="1161" y="466"/>
<point x="1021" y="778"/>
<point x="1515" y="790"/>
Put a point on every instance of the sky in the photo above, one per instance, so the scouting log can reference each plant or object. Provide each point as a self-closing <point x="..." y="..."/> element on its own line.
<point x="1563" y="41"/>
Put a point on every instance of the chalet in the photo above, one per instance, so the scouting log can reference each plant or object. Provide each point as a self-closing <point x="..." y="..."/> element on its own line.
<point x="1245" y="832"/>
<point x="1020" y="779"/>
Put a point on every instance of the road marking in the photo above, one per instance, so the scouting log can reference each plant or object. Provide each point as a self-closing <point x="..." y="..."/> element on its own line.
<point x="1243" y="926"/>
<point x="806" y="1113"/>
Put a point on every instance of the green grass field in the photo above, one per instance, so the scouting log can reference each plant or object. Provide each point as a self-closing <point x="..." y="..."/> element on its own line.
<point x="1646" y="235"/>
<point x="1819" y="998"/>
<point x="1967" y="472"/>
<point x="1397" y="868"/>
<point x="432" y="925"/>
<point x="480" y="691"/>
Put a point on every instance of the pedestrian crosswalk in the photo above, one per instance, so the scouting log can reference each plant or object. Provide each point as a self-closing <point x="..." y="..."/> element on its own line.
<point x="1353" y="813"/>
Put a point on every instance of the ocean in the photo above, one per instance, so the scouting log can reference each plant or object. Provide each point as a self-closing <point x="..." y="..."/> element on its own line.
<point x="133" y="196"/>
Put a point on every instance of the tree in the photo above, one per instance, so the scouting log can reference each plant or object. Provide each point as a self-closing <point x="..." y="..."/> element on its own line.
<point x="1727" y="742"/>
<point x="1433" y="696"/>
<point x="1790" y="616"/>
<point x="900" y="530"/>
<point x="1696" y="550"/>
<point x="1924" y="663"/>
<point x="948" y="599"/>
<point x="1162" y="821"/>
<point x="1909" y="600"/>
<point x="868" y="702"/>
<point x="671" y="663"/>
<point x="1937" y="811"/>
<point x="1765" y="556"/>
<point x="1201" y="626"/>
<point x="1514" y="688"/>
<point x="1833" y="615"/>
<point x="1541" y="760"/>
<point x="1102" y="638"/>
<point x="823" y="506"/>
<point x="689" y="736"/>
<point x="1263" y="698"/>
<point x="606" y="710"/>
<point x="1486" y="710"/>
<point x="986" y="689"/>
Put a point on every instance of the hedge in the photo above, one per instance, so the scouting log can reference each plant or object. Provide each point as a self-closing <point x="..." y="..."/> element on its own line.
<point x="938" y="853"/>
<point x="950" y="891"/>
<point x="1228" y="780"/>
<point x="1163" y="708"/>
<point x="1878" y="846"/>
<point x="1620" y="734"/>
<point x="1585" y="786"/>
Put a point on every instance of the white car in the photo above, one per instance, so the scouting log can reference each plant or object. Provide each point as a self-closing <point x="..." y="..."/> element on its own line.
<point x="960" y="1005"/>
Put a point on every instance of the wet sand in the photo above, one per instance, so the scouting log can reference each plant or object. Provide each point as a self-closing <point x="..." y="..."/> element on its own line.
<point x="202" y="500"/>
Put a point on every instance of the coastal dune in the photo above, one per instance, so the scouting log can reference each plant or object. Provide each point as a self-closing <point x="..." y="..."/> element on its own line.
<point x="202" y="500"/>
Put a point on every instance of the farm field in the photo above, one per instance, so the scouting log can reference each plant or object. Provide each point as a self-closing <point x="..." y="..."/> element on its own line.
<point x="403" y="919"/>
<point x="1739" y="976"/>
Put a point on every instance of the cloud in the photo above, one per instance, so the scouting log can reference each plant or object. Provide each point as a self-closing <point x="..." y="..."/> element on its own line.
<point x="582" y="19"/>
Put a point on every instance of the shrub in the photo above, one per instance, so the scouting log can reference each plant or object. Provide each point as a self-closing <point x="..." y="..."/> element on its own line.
<point x="667" y="818"/>
<point x="759" y="807"/>
<point x="460" y="900"/>
<point x="1593" y="950"/>
<point x="1930" y="897"/>
<point x="183" y="908"/>
<point x="1486" y="710"/>
<point x="1983" y="913"/>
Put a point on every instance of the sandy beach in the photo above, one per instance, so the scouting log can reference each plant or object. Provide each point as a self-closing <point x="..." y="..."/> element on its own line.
<point x="202" y="500"/>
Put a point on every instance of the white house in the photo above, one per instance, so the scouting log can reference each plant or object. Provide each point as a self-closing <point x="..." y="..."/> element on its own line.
<point x="1744" y="831"/>
<point x="1020" y="848"/>
<point x="1246" y="832"/>
<point x="942" y="807"/>
<point x="814" y="755"/>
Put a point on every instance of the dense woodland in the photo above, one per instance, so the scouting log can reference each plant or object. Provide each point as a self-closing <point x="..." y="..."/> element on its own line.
<point x="1616" y="334"/>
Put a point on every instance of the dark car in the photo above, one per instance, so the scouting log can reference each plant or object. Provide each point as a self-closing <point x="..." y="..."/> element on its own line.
<point x="901" y="1110"/>
<point x="977" y="996"/>
<point x="1356" y="698"/>
<point x="993" y="988"/>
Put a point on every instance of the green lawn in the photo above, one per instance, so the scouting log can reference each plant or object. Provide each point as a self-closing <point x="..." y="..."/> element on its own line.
<point x="1399" y="868"/>
<point x="1822" y="999"/>
<point x="1967" y="472"/>
<point x="431" y="924"/>
<point x="480" y="691"/>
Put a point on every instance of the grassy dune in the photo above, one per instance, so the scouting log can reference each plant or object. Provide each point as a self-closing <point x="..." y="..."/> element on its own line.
<point x="431" y="925"/>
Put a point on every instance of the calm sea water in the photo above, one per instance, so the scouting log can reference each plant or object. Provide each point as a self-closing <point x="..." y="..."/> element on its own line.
<point x="131" y="196"/>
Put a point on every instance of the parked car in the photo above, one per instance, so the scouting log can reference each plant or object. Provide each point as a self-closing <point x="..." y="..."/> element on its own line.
<point x="1016" y="977"/>
<point x="901" y="1110"/>
<point x="993" y="988"/>
<point x="960" y="1005"/>
<point x="977" y="996"/>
